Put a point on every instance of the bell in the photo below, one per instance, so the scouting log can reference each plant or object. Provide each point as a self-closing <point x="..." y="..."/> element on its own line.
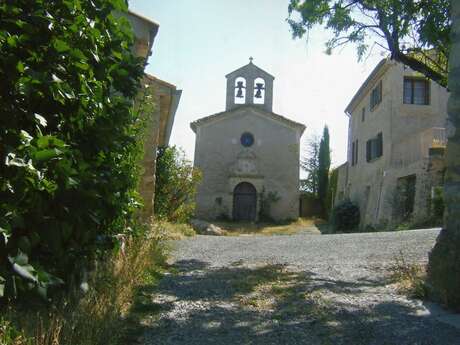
<point x="259" y="88"/>
<point x="240" y="87"/>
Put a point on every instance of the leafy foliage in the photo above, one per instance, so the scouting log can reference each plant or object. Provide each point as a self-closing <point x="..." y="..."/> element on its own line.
<point x="316" y="164"/>
<point x="437" y="204"/>
<point x="346" y="216"/>
<point x="411" y="30"/>
<point x="175" y="186"/>
<point x="310" y="164"/>
<point x="68" y="147"/>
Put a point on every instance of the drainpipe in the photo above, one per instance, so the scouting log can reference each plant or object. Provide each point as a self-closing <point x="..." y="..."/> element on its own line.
<point x="380" y="197"/>
<point x="348" y="150"/>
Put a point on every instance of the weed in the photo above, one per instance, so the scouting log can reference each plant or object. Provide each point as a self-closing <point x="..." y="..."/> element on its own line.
<point x="409" y="278"/>
<point x="101" y="315"/>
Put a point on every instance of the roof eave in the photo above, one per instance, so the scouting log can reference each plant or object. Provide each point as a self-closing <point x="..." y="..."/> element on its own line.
<point x="253" y="65"/>
<point x="361" y="91"/>
<point x="282" y="119"/>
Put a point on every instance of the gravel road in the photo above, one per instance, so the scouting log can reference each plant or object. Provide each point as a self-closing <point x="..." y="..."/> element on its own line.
<point x="298" y="289"/>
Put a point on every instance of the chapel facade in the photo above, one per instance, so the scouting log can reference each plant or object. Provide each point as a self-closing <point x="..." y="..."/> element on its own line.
<point x="248" y="155"/>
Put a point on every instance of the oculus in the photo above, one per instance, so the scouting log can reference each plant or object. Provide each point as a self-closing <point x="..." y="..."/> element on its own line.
<point x="247" y="139"/>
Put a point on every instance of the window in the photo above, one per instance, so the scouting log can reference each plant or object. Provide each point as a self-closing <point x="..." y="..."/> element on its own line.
<point x="376" y="95"/>
<point x="247" y="139"/>
<point x="363" y="114"/>
<point x="354" y="153"/>
<point x="416" y="91"/>
<point x="374" y="148"/>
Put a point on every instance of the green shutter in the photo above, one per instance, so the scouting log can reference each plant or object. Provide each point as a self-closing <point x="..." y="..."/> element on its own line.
<point x="356" y="154"/>
<point x="368" y="150"/>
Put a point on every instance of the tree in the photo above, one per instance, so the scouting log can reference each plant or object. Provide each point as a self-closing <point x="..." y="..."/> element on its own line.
<point x="444" y="263"/>
<point x="175" y="185"/>
<point x="310" y="165"/>
<point x="324" y="163"/>
<point x="68" y="137"/>
<point x="416" y="33"/>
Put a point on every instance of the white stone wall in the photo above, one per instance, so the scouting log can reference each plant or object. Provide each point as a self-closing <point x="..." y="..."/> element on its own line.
<point x="275" y="158"/>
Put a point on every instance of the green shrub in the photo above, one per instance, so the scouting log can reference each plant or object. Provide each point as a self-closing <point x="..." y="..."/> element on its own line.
<point x="346" y="216"/>
<point x="175" y="185"/>
<point x="68" y="137"/>
<point x="108" y="313"/>
<point x="437" y="204"/>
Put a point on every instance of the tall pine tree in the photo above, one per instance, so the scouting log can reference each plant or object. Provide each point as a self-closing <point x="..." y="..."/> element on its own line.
<point x="324" y="163"/>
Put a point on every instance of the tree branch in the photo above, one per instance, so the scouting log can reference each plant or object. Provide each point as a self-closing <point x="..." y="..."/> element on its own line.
<point x="419" y="66"/>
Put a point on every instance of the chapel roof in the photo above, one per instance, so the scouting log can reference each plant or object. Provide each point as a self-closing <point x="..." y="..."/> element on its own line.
<point x="223" y="114"/>
<point x="250" y="66"/>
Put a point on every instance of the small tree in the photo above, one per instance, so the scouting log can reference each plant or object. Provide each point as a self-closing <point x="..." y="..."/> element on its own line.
<point x="175" y="185"/>
<point x="310" y="165"/>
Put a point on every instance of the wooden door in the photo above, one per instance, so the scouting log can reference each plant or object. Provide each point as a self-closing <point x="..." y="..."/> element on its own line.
<point x="244" y="202"/>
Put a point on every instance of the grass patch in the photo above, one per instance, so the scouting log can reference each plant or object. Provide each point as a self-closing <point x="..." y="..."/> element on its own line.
<point x="269" y="229"/>
<point x="172" y="231"/>
<point x="111" y="310"/>
<point x="410" y="279"/>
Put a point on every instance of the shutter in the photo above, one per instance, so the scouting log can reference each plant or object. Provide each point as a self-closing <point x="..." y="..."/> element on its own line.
<point x="371" y="103"/>
<point x="352" y="153"/>
<point x="368" y="150"/>
<point x="379" y="145"/>
<point x="356" y="154"/>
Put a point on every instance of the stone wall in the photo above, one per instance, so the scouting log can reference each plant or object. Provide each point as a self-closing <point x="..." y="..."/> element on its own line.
<point x="165" y="98"/>
<point x="271" y="164"/>
<point x="408" y="133"/>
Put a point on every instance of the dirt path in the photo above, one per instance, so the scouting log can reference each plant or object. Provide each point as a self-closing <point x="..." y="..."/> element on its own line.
<point x="300" y="289"/>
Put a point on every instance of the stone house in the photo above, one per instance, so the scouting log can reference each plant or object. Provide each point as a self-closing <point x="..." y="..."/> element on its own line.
<point x="249" y="156"/>
<point x="159" y="123"/>
<point x="396" y="142"/>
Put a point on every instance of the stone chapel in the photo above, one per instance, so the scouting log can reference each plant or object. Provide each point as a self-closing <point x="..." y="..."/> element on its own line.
<point x="248" y="155"/>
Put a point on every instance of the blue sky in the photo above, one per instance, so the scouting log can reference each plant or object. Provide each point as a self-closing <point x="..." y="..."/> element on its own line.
<point x="200" y="41"/>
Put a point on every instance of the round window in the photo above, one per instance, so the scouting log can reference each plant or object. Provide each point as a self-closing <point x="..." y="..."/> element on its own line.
<point x="247" y="139"/>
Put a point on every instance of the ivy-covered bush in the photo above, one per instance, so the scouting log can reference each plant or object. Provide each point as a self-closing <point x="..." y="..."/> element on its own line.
<point x="437" y="204"/>
<point x="68" y="137"/>
<point x="346" y="216"/>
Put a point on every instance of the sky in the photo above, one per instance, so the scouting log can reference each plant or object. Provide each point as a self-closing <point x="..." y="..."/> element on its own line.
<point x="200" y="41"/>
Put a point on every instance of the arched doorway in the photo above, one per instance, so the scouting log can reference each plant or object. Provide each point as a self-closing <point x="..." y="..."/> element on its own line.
<point x="244" y="202"/>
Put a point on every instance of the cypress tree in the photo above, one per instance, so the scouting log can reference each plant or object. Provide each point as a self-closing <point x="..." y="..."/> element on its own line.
<point x="324" y="162"/>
